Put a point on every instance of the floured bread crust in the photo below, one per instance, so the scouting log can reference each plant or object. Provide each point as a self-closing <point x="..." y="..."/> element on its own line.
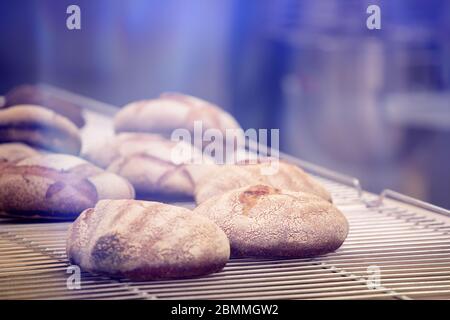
<point x="173" y="111"/>
<point x="152" y="163"/>
<point x="14" y="152"/>
<point x="39" y="127"/>
<point x="143" y="240"/>
<point x="263" y="221"/>
<point x="57" y="186"/>
<point x="228" y="177"/>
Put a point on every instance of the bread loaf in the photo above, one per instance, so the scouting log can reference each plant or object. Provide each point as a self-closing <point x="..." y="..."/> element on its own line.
<point x="39" y="127"/>
<point x="36" y="95"/>
<point x="262" y="221"/>
<point x="57" y="186"/>
<point x="152" y="163"/>
<point x="143" y="240"/>
<point x="174" y="111"/>
<point x="228" y="177"/>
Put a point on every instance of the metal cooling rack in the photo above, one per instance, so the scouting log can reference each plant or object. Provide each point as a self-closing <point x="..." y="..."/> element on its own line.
<point x="407" y="241"/>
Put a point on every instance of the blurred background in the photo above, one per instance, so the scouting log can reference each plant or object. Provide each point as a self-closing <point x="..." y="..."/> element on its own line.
<point x="374" y="104"/>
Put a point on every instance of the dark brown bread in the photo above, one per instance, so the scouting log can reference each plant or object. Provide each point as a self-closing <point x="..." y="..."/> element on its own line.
<point x="36" y="95"/>
<point x="57" y="186"/>
<point x="143" y="240"/>
<point x="39" y="127"/>
<point x="279" y="174"/>
<point x="263" y="221"/>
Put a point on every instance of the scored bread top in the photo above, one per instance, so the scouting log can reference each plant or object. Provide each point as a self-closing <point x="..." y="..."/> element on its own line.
<point x="169" y="112"/>
<point x="37" y="95"/>
<point x="145" y="240"/>
<point x="152" y="163"/>
<point x="151" y="145"/>
<point x="57" y="185"/>
<point x="40" y="127"/>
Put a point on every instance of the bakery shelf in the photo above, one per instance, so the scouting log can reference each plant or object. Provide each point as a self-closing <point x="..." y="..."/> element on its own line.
<point x="405" y="240"/>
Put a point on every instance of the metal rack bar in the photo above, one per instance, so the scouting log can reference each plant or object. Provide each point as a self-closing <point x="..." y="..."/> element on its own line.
<point x="388" y="193"/>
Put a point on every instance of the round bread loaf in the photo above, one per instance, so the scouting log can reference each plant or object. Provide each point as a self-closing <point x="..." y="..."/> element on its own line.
<point x="278" y="174"/>
<point x="175" y="111"/>
<point x="262" y="221"/>
<point x="152" y="163"/>
<point x="14" y="152"/>
<point x="39" y="127"/>
<point x="57" y="186"/>
<point x="36" y="95"/>
<point x="143" y="240"/>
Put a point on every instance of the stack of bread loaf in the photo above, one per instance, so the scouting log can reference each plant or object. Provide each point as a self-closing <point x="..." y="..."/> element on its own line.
<point x="41" y="175"/>
<point x="240" y="211"/>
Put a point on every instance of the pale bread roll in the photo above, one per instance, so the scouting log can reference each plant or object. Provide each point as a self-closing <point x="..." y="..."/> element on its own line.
<point x="172" y="111"/>
<point x="262" y="221"/>
<point x="152" y="163"/>
<point x="143" y="240"/>
<point x="39" y="127"/>
<point x="14" y="152"/>
<point x="221" y="178"/>
<point x="57" y="186"/>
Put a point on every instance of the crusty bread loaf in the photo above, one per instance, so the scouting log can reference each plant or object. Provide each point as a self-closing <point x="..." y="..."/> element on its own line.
<point x="144" y="240"/>
<point x="263" y="221"/>
<point x="152" y="163"/>
<point x="57" y="186"/>
<point x="173" y="111"/>
<point x="39" y="127"/>
<point x="227" y="177"/>
<point x="14" y="152"/>
<point x="36" y="95"/>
